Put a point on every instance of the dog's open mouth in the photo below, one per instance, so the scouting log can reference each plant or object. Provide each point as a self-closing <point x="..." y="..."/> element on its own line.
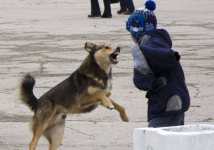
<point x="113" y="56"/>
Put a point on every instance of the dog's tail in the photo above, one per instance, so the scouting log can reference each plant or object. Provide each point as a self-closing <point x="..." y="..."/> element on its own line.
<point x="26" y="92"/>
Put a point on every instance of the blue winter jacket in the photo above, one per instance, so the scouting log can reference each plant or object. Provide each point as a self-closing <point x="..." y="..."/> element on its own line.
<point x="167" y="92"/>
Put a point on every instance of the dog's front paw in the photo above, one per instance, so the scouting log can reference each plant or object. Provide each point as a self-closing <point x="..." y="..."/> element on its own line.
<point x="110" y="107"/>
<point x="124" y="118"/>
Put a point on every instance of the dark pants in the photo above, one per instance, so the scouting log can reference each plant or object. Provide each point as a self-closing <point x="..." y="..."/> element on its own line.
<point x="95" y="8"/>
<point x="128" y="4"/>
<point x="172" y="120"/>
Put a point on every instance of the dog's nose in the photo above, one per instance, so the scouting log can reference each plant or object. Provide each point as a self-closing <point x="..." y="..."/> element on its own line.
<point x="118" y="48"/>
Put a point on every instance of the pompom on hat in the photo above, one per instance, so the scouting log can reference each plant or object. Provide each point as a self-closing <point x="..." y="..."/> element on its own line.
<point x="150" y="5"/>
<point x="142" y="20"/>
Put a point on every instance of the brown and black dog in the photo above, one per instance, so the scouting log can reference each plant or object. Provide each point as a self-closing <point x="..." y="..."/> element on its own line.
<point x="86" y="88"/>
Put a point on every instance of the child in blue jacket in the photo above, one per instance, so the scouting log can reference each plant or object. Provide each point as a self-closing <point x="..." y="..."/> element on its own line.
<point x="157" y="69"/>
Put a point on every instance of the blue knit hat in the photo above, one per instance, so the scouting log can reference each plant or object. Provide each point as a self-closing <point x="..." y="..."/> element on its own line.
<point x="142" y="20"/>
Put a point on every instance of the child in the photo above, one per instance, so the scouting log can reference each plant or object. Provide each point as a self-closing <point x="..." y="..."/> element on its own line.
<point x="157" y="69"/>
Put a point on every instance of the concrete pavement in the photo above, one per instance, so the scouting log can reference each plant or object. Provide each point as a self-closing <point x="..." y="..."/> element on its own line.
<point x="46" y="39"/>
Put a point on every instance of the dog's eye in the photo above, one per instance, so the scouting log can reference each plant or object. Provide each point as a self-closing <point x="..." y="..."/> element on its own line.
<point x="106" y="47"/>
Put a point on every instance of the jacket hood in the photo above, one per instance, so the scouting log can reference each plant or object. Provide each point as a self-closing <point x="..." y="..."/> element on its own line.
<point x="161" y="33"/>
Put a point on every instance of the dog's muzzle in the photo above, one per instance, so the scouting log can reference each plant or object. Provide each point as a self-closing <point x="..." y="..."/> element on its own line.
<point x="113" y="56"/>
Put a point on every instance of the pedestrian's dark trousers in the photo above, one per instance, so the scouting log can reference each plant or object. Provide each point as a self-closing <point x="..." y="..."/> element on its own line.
<point x="128" y="4"/>
<point x="166" y="121"/>
<point x="95" y="8"/>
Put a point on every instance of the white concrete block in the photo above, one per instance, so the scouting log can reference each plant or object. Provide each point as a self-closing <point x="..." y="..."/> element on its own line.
<point x="188" y="137"/>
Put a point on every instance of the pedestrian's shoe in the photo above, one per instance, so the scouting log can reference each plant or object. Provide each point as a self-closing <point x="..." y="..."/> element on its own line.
<point x="91" y="16"/>
<point x="128" y="12"/>
<point x="122" y="10"/>
<point x="106" y="16"/>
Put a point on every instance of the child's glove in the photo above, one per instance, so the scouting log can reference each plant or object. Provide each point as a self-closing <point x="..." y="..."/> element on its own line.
<point x="143" y="82"/>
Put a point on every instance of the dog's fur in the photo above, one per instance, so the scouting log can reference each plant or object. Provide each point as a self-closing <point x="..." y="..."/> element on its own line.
<point x="86" y="88"/>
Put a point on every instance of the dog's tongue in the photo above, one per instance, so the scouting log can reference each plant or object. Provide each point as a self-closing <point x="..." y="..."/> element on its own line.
<point x="114" y="58"/>
<point x="115" y="61"/>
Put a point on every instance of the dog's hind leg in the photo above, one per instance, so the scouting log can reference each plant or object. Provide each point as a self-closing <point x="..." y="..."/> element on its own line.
<point x="38" y="128"/>
<point x="55" y="131"/>
<point x="121" y="110"/>
<point x="40" y="122"/>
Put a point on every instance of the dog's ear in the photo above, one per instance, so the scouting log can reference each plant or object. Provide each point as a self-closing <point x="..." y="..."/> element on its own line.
<point x="89" y="47"/>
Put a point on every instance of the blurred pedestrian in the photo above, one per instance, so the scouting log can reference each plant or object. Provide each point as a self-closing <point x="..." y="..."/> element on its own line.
<point x="126" y="7"/>
<point x="95" y="9"/>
